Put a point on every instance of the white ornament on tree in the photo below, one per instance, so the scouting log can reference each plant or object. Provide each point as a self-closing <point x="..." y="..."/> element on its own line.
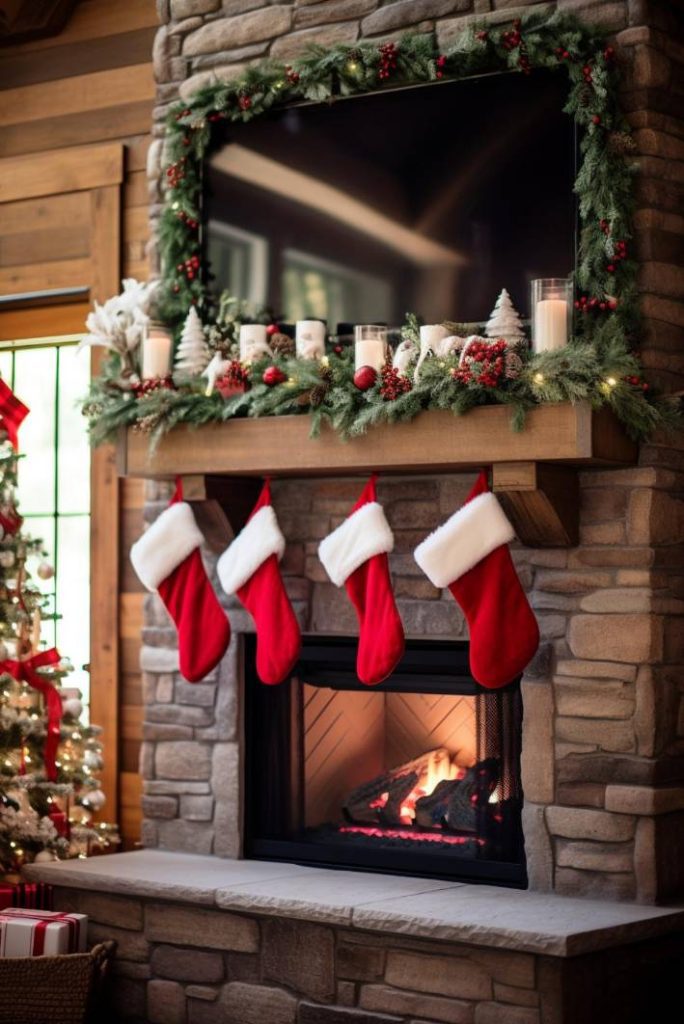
<point x="7" y="559"/>
<point x="95" y="799"/>
<point x="45" y="857"/>
<point x="193" y="354"/>
<point x="45" y="571"/>
<point x="504" y="322"/>
<point x="72" y="706"/>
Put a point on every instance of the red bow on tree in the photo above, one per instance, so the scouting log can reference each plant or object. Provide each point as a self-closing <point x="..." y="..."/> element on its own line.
<point x="26" y="672"/>
<point x="12" y="413"/>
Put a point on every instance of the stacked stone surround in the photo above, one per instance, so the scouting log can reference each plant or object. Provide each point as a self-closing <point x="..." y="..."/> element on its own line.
<point x="184" y="963"/>
<point x="603" y="735"/>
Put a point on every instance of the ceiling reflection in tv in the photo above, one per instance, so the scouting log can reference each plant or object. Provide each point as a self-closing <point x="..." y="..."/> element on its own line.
<point x="429" y="199"/>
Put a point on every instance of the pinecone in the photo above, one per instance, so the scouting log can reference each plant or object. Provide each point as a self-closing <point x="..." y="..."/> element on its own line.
<point x="317" y="396"/>
<point x="282" y="345"/>
<point x="146" y="424"/>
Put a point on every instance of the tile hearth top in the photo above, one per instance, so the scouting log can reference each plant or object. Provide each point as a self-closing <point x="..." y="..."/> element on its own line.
<point x="422" y="908"/>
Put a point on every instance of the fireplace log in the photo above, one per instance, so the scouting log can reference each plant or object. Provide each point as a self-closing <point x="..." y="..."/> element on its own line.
<point x="379" y="801"/>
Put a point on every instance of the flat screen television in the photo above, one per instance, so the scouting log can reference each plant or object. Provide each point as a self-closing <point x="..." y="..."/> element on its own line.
<point x="427" y="199"/>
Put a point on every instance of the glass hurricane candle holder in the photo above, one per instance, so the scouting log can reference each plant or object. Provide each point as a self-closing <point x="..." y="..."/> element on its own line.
<point x="157" y="346"/>
<point x="551" y="309"/>
<point x="370" y="346"/>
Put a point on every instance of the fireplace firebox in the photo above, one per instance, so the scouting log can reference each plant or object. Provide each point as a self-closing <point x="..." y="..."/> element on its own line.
<point x="419" y="775"/>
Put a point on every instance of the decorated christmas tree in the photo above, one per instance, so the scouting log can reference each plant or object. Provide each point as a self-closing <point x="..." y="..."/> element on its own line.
<point x="193" y="353"/>
<point x="504" y="321"/>
<point x="49" y="758"/>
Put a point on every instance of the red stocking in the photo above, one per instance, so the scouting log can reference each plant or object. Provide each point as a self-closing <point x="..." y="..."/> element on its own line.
<point x="249" y="568"/>
<point x="469" y="555"/>
<point x="167" y="559"/>
<point x="355" y="554"/>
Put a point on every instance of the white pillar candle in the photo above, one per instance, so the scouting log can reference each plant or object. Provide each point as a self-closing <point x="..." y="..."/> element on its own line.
<point x="310" y="339"/>
<point x="551" y="325"/>
<point x="253" y="342"/>
<point x="370" y="346"/>
<point x="431" y="335"/>
<point x="156" y="352"/>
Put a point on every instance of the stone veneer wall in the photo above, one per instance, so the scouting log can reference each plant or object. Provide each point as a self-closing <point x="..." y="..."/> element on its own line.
<point x="182" y="964"/>
<point x="603" y="743"/>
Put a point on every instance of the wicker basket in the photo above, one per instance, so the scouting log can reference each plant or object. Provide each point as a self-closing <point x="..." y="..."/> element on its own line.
<point x="53" y="989"/>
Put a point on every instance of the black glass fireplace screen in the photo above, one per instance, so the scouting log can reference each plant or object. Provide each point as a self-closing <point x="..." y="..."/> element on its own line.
<point x="419" y="775"/>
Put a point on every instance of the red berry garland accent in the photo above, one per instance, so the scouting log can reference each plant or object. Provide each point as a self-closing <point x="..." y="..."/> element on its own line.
<point x="388" y="60"/>
<point x="245" y="102"/>
<point x="273" y="375"/>
<point x="482" y="35"/>
<point x="365" y="377"/>
<point x="291" y="75"/>
<point x="394" y="384"/>
<point x="146" y="387"/>
<point x="189" y="267"/>
<point x="585" y="304"/>
<point x="483" y="364"/>
<point x="234" y="381"/>
<point x="512" y="39"/>
<point x="440" y="64"/>
<point x="176" y="172"/>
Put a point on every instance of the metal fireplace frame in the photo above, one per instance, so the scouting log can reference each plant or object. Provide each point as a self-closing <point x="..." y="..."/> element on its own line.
<point x="267" y="750"/>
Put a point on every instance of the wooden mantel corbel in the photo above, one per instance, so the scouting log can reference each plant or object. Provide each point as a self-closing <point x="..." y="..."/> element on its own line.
<point x="534" y="471"/>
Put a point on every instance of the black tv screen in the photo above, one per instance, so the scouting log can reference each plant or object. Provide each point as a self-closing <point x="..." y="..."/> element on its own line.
<point x="428" y="199"/>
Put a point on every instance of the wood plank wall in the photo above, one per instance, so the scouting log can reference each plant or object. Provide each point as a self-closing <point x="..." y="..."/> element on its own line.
<point x="91" y="83"/>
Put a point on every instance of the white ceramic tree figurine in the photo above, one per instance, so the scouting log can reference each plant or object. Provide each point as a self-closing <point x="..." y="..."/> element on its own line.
<point x="504" y="321"/>
<point x="193" y="354"/>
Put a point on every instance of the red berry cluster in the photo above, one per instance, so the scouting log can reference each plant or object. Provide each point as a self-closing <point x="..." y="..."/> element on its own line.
<point x="245" y="102"/>
<point x="596" y="119"/>
<point x="146" y="387"/>
<point x="511" y="39"/>
<point x="587" y="73"/>
<point x="234" y="381"/>
<point x="563" y="54"/>
<point x="482" y="35"/>
<point x="440" y="64"/>
<point x="637" y="382"/>
<point x="291" y="75"/>
<point x="183" y="113"/>
<point x="609" y="53"/>
<point x="190" y="221"/>
<point x="273" y="375"/>
<point x="393" y="384"/>
<point x="176" y="172"/>
<point x="593" y="305"/>
<point x="619" y="254"/>
<point x="189" y="267"/>
<point x="388" y="60"/>
<point x="485" y="364"/>
<point x="216" y="116"/>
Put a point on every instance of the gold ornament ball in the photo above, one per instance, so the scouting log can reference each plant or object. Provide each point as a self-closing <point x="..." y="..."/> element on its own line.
<point x="45" y="571"/>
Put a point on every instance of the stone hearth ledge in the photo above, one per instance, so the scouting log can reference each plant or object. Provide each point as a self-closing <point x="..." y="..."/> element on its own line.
<point x="422" y="908"/>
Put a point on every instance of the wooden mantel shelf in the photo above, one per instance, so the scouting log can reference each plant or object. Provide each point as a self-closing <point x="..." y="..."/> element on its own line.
<point x="534" y="471"/>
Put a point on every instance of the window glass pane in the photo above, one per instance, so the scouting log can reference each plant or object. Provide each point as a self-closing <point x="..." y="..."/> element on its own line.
<point x="73" y="451"/>
<point x="6" y="366"/>
<point x="43" y="529"/>
<point x="34" y="384"/>
<point x="73" y="596"/>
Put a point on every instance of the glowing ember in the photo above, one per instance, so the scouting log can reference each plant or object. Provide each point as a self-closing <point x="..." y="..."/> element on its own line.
<point x="411" y="836"/>
<point x="437" y="768"/>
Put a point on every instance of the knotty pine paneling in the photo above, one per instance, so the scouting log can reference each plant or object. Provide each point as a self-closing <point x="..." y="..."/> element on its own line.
<point x="90" y="84"/>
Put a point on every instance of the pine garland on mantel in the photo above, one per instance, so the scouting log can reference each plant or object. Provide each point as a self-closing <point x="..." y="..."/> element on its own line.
<point x="599" y="365"/>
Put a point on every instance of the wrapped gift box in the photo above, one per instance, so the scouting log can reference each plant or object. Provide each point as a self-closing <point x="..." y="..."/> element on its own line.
<point x="26" y="894"/>
<point x="41" y="932"/>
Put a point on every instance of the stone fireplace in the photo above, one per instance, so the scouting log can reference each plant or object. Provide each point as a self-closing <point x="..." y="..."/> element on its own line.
<point x="601" y="802"/>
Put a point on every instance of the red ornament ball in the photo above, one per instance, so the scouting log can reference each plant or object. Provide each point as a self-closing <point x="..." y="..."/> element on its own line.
<point x="365" y="377"/>
<point x="273" y="375"/>
<point x="272" y="329"/>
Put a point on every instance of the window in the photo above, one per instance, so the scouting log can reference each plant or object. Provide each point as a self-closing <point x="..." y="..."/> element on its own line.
<point x="54" y="484"/>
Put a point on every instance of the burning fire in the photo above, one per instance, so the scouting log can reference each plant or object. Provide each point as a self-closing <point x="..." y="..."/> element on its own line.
<point x="395" y="833"/>
<point x="438" y="768"/>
